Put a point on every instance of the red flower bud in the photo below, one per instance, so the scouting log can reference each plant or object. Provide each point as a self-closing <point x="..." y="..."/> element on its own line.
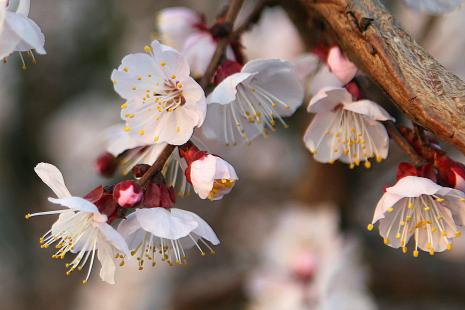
<point x="451" y="173"/>
<point x="106" y="164"/>
<point x="406" y="169"/>
<point x="139" y="170"/>
<point x="227" y="68"/>
<point x="104" y="201"/>
<point x="159" y="196"/>
<point x="354" y="90"/>
<point x="127" y="193"/>
<point x="426" y="171"/>
<point x="190" y="152"/>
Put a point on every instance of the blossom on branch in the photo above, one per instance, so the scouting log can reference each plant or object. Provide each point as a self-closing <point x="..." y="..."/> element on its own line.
<point x="167" y="232"/>
<point x="211" y="176"/>
<point x="248" y="103"/>
<point x="345" y="129"/>
<point x="81" y="228"/>
<point x="418" y="207"/>
<point x="163" y="103"/>
<point x="17" y="31"/>
<point x="186" y="31"/>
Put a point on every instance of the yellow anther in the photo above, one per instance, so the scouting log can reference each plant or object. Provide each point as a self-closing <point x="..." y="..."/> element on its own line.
<point x="173" y="76"/>
<point x="367" y="164"/>
<point x="390" y="209"/>
<point x="439" y="199"/>
<point x="124" y="106"/>
<point x="431" y="252"/>
<point x="410" y="205"/>
<point x="398" y="236"/>
<point x="449" y="246"/>
<point x="139" y="78"/>
<point x="148" y="49"/>
<point x="178" y="129"/>
<point x="370" y="227"/>
<point x="27" y="216"/>
<point x="415" y="253"/>
<point x="84" y="281"/>
<point x="458" y="233"/>
<point x="126" y="129"/>
<point x="141" y="132"/>
<point x="126" y="69"/>
<point x="162" y="63"/>
<point x="386" y="240"/>
<point x="404" y="250"/>
<point x="156" y="139"/>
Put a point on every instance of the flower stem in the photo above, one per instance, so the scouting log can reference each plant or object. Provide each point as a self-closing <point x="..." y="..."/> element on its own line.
<point x="231" y="14"/>
<point x="157" y="165"/>
<point x="403" y="143"/>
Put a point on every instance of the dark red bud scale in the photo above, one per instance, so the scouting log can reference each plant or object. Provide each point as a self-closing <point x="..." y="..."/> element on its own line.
<point x="106" y="164"/>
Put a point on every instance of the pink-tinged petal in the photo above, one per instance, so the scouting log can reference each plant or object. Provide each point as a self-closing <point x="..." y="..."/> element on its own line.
<point x="412" y="186"/>
<point x="369" y="109"/>
<point x="455" y="202"/>
<point x="340" y="66"/>
<point x="23" y="7"/>
<point x="390" y="225"/>
<point x="323" y="78"/>
<point x="51" y="176"/>
<point x="76" y="203"/>
<point x="176" y="24"/>
<point x="161" y="223"/>
<point x="225" y="92"/>
<point x="328" y="98"/>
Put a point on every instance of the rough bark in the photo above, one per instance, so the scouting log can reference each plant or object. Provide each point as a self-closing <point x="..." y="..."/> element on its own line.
<point x="418" y="84"/>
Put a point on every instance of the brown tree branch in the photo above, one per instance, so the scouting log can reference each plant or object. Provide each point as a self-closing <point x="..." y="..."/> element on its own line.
<point x="157" y="165"/>
<point x="421" y="87"/>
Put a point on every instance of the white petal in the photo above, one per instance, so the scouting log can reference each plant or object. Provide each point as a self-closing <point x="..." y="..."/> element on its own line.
<point x="370" y="109"/>
<point x="306" y="65"/>
<point x="198" y="49"/>
<point x="225" y="92"/>
<point x="51" y="176"/>
<point x="27" y="30"/>
<point x="203" y="230"/>
<point x="319" y="140"/>
<point x="113" y="237"/>
<point x="328" y="98"/>
<point x="23" y="7"/>
<point x="161" y="223"/>
<point x="176" y="64"/>
<point x="76" y="203"/>
<point x="105" y="255"/>
<point x="388" y="200"/>
<point x="390" y="225"/>
<point x="455" y="204"/>
<point x="323" y="78"/>
<point x="412" y="186"/>
<point x="176" y="24"/>
<point x="118" y="141"/>
<point x="8" y="40"/>
<point x="278" y="78"/>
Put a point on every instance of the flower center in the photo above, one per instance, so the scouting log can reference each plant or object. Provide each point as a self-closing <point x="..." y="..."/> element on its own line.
<point x="220" y="187"/>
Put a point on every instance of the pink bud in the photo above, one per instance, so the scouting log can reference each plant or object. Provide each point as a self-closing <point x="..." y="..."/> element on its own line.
<point x="127" y="193"/>
<point x="340" y="66"/>
<point x="304" y="266"/>
<point x="106" y="164"/>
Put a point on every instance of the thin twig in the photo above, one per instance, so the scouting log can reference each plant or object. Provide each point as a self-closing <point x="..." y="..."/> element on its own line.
<point x="157" y="165"/>
<point x="403" y="143"/>
<point x="231" y="14"/>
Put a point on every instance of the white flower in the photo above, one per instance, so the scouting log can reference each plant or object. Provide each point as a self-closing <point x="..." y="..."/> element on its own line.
<point x="17" y="31"/>
<point x="185" y="30"/>
<point x="212" y="177"/>
<point x="167" y="232"/>
<point x="245" y="104"/>
<point x="164" y="103"/>
<point x="418" y="207"/>
<point x="346" y="130"/>
<point x="80" y="229"/>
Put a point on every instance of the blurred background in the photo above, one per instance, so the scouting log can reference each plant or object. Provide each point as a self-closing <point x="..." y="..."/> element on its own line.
<point x="293" y="231"/>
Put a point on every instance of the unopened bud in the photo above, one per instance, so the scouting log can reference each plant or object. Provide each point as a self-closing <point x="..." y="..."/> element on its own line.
<point x="106" y="164"/>
<point x="227" y="68"/>
<point x="139" y="170"/>
<point x="127" y="193"/>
